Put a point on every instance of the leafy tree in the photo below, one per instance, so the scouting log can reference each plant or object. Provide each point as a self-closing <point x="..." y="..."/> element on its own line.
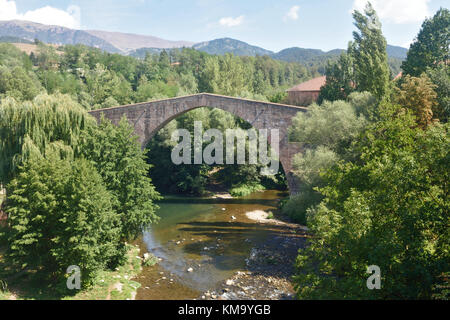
<point x="440" y="76"/>
<point x="368" y="51"/>
<point x="18" y="83"/>
<point x="418" y="95"/>
<point x="308" y="167"/>
<point x="118" y="157"/>
<point x="388" y="209"/>
<point x="364" y="103"/>
<point x="340" y="80"/>
<point x="46" y="120"/>
<point x="333" y="125"/>
<point x="60" y="215"/>
<point x="431" y="46"/>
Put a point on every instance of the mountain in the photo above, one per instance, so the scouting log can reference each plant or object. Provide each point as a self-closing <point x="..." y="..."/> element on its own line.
<point x="301" y="55"/>
<point x="52" y="34"/>
<point x="114" y="42"/>
<point x="11" y="39"/>
<point x="396" y="52"/>
<point x="139" y="45"/>
<point x="127" y="42"/>
<point x="228" y="45"/>
<point x="142" y="52"/>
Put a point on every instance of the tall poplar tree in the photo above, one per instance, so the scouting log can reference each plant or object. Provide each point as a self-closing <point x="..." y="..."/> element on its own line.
<point x="371" y="68"/>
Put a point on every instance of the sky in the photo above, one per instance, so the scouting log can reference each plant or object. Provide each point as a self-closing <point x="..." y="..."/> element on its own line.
<point x="273" y="25"/>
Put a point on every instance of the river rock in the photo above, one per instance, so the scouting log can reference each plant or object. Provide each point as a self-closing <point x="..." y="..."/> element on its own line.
<point x="229" y="282"/>
<point x="190" y="270"/>
<point x="233" y="217"/>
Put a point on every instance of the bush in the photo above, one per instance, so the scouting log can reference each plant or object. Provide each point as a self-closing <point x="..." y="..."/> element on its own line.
<point x="297" y="206"/>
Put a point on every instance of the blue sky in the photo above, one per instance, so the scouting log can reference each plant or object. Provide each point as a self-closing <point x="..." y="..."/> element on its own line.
<point x="274" y="25"/>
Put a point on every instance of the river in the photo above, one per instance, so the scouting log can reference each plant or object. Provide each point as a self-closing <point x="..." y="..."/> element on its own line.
<point x="212" y="238"/>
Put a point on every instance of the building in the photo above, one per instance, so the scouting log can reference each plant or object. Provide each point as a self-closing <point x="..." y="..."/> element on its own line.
<point x="307" y="92"/>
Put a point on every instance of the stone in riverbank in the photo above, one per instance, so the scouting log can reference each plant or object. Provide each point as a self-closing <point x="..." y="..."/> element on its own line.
<point x="270" y="270"/>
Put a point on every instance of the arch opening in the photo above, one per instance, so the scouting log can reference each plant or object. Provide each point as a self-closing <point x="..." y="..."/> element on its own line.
<point x="220" y="178"/>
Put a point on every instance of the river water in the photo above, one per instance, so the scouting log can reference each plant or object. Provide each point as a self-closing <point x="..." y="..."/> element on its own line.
<point x="211" y="237"/>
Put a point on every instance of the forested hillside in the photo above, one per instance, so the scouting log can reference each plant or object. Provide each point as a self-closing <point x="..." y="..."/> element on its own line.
<point x="97" y="79"/>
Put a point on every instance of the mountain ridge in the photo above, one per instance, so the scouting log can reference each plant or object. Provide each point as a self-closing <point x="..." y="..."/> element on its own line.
<point x="137" y="45"/>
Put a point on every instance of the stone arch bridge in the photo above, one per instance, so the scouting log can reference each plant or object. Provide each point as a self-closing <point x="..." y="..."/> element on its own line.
<point x="149" y="117"/>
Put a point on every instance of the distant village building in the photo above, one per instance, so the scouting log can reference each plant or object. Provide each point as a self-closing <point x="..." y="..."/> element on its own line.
<point x="398" y="76"/>
<point x="307" y="92"/>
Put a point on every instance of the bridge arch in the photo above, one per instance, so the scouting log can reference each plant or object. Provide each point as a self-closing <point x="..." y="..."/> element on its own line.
<point x="149" y="117"/>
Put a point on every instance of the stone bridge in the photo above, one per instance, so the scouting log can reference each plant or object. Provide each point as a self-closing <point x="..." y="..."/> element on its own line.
<point x="149" y="117"/>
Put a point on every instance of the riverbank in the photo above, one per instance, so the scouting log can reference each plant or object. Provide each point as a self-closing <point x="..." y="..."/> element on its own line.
<point x="221" y="249"/>
<point x="269" y="268"/>
<point x="116" y="284"/>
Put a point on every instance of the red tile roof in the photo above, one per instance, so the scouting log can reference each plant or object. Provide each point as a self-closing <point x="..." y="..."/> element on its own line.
<point x="311" y="85"/>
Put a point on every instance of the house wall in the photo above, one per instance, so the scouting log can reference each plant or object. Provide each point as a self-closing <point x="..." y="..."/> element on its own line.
<point x="302" y="98"/>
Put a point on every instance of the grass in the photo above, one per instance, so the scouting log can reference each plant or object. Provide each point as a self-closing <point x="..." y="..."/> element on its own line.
<point x="110" y="285"/>
<point x="244" y="189"/>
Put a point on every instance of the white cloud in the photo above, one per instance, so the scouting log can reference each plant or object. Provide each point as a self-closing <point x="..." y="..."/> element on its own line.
<point x="69" y="18"/>
<point x="231" y="22"/>
<point x="292" y="13"/>
<point x="397" y="11"/>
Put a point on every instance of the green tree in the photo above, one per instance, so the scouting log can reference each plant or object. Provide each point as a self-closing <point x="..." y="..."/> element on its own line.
<point x="368" y="51"/>
<point x="117" y="155"/>
<point x="389" y="208"/>
<point x="340" y="82"/>
<point x="18" y="83"/>
<point x="60" y="215"/>
<point x="440" y="76"/>
<point x="431" y="46"/>
<point x="45" y="120"/>
<point x="308" y="168"/>
<point x="333" y="125"/>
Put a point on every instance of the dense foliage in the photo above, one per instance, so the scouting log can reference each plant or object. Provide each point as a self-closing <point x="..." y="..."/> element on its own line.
<point x="431" y="46"/>
<point x="374" y="180"/>
<point x="239" y="180"/>
<point x="61" y="215"/>
<point x="117" y="156"/>
<point x="76" y="191"/>
<point x="365" y="67"/>
<point x="98" y="79"/>
<point x="388" y="209"/>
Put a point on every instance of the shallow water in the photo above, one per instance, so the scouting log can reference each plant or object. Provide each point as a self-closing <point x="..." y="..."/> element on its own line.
<point x="201" y="234"/>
